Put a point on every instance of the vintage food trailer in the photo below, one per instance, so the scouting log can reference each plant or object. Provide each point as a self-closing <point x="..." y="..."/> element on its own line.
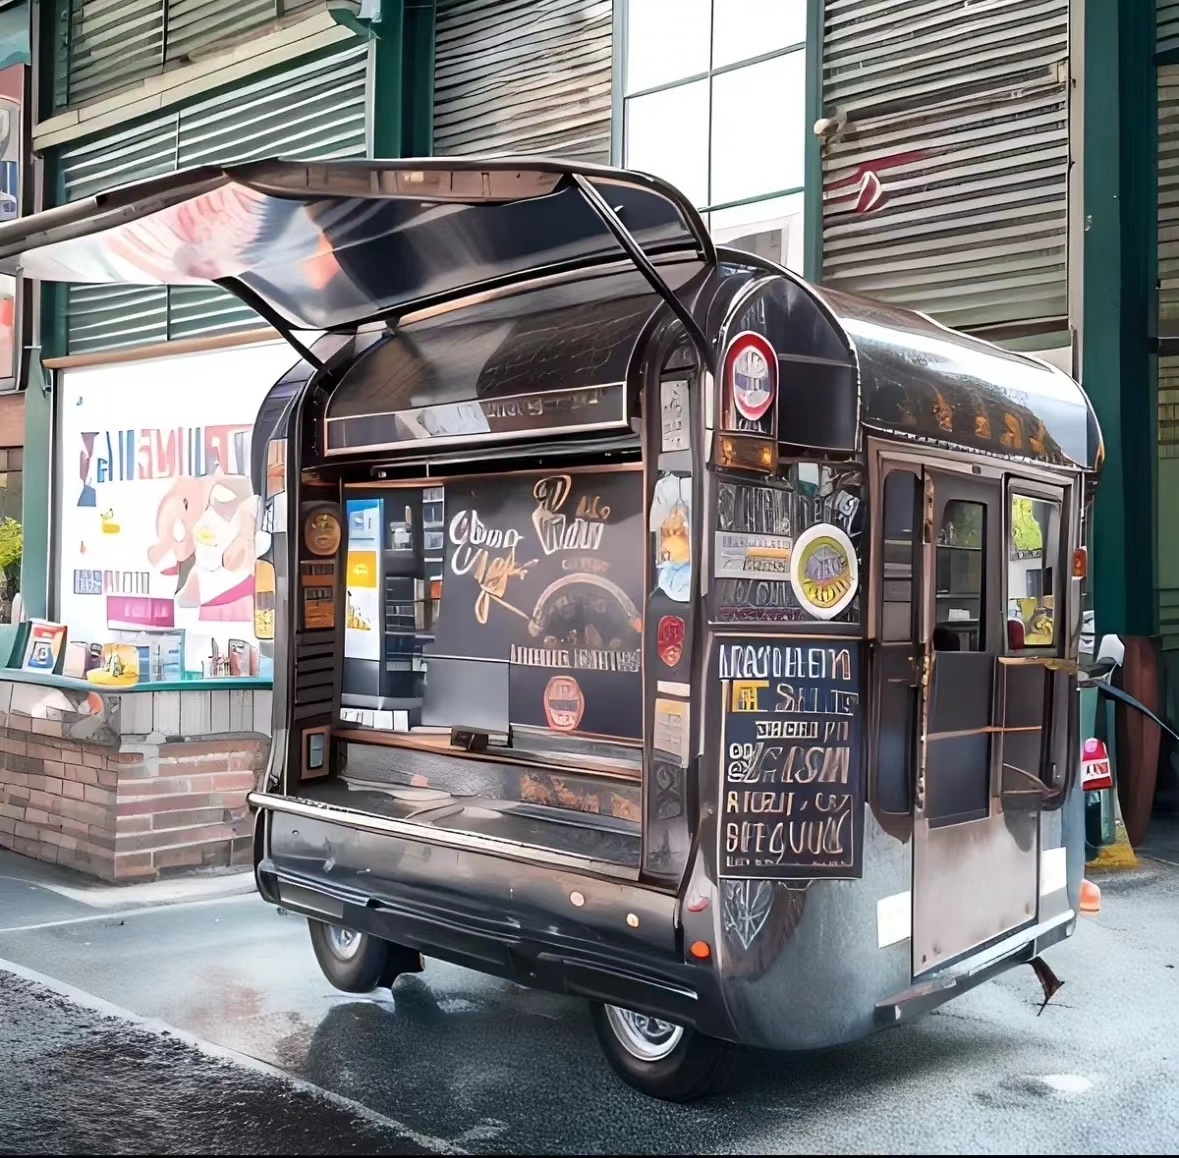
<point x="648" y="625"/>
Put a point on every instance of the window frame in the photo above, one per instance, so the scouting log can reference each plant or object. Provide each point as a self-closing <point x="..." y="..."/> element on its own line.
<point x="811" y="50"/>
<point x="1016" y="486"/>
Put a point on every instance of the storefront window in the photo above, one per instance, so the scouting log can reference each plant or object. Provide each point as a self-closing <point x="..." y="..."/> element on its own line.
<point x="715" y="103"/>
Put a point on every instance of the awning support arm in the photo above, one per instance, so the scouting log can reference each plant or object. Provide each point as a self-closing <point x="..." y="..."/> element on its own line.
<point x="645" y="266"/>
<point x="267" y="313"/>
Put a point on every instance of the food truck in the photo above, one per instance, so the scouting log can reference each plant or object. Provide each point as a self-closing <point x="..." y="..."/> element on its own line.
<point x="648" y="625"/>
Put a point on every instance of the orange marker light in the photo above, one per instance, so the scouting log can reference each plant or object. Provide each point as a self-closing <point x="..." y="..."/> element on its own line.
<point x="700" y="950"/>
<point x="1080" y="563"/>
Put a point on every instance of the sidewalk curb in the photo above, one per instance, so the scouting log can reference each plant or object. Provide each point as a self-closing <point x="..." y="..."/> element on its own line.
<point x="98" y="1005"/>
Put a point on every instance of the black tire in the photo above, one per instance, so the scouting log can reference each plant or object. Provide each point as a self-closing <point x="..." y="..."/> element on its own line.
<point x="693" y="1068"/>
<point x="357" y="968"/>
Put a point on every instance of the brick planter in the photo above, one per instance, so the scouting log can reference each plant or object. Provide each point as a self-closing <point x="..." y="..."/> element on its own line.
<point x="78" y="788"/>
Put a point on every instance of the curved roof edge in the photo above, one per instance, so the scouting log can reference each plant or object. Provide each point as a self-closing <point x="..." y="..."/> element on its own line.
<point x="921" y="381"/>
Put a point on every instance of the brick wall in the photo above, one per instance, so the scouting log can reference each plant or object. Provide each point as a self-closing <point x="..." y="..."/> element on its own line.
<point x="75" y="791"/>
<point x="181" y="805"/>
<point x="57" y="797"/>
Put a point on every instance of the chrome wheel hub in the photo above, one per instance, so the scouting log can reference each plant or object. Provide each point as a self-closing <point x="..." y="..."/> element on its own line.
<point x="344" y="942"/>
<point x="643" y="1037"/>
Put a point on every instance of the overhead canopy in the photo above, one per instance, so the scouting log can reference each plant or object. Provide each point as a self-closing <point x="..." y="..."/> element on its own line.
<point x="325" y="245"/>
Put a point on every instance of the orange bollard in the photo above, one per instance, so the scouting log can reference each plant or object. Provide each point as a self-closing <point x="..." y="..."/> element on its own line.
<point x="1090" y="897"/>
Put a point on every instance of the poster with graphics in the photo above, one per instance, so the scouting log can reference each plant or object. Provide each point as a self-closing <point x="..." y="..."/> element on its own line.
<point x="157" y="512"/>
<point x="545" y="573"/>
<point x="12" y="81"/>
<point x="362" y="614"/>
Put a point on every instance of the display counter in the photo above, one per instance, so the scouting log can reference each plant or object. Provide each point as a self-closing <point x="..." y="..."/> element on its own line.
<point x="124" y="784"/>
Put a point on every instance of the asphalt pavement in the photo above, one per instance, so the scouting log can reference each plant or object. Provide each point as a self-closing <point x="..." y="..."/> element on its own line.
<point x="453" y="1061"/>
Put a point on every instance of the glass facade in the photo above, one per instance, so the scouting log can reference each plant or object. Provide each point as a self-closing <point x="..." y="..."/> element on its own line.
<point x="714" y="101"/>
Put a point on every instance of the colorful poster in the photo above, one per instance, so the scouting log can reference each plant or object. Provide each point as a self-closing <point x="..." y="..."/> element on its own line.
<point x="362" y="622"/>
<point x="12" y="84"/>
<point x="158" y="518"/>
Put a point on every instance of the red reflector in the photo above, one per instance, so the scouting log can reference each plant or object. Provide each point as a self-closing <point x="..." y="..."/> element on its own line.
<point x="1095" y="770"/>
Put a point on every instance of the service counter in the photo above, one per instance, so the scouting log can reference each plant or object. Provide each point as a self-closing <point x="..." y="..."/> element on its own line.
<point x="126" y="784"/>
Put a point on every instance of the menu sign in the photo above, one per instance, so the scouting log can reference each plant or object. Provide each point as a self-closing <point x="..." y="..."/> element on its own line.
<point x="792" y="793"/>
<point x="480" y="419"/>
<point x="545" y="573"/>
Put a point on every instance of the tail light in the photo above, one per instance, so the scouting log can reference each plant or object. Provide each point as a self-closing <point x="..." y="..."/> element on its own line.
<point x="1095" y="769"/>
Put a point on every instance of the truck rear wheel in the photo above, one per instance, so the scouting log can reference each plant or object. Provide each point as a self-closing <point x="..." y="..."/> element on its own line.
<point x="665" y="1061"/>
<point x="353" y="962"/>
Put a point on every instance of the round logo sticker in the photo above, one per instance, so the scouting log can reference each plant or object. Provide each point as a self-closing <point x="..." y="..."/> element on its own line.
<point x="824" y="571"/>
<point x="321" y="533"/>
<point x="669" y="639"/>
<point x="563" y="703"/>
<point x="751" y="375"/>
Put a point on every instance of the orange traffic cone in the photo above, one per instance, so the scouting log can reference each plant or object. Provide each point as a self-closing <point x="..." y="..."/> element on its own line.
<point x="1090" y="897"/>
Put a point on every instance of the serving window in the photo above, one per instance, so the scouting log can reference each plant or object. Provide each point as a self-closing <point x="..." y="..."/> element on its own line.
<point x="505" y="605"/>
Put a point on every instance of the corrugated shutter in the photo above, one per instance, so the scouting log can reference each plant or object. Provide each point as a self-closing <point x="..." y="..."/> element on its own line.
<point x="103" y="45"/>
<point x="523" y="76"/>
<point x="1168" y="204"/>
<point x="947" y="187"/>
<point x="315" y="112"/>
<point x="109" y="44"/>
<point x="1167" y="25"/>
<point x="196" y="24"/>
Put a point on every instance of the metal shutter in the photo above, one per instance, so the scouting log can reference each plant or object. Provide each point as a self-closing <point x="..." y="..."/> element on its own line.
<point x="947" y="187"/>
<point x="103" y="45"/>
<point x="1168" y="204"/>
<point x="1167" y="24"/>
<point x="314" y="112"/>
<point x="523" y="76"/>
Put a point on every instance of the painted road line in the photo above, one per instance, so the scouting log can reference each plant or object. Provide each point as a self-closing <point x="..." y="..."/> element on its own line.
<point x="223" y="1053"/>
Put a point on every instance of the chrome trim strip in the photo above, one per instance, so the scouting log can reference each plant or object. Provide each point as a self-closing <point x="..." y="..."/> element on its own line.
<point x="488" y="846"/>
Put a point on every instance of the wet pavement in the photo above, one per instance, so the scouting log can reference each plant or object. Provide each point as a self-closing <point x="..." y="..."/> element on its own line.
<point x="455" y="1061"/>
<point x="75" y="1081"/>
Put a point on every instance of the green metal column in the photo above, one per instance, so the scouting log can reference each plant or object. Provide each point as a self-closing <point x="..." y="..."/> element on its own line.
<point x="403" y="79"/>
<point x="1118" y="182"/>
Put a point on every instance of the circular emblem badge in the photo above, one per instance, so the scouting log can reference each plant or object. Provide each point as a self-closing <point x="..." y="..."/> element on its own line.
<point x="824" y="571"/>
<point x="751" y="375"/>
<point x="563" y="703"/>
<point x="669" y="639"/>
<point x="321" y="533"/>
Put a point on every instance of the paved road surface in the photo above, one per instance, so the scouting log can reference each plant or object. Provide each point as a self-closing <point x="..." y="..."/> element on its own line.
<point x="474" y="1064"/>
<point x="77" y="1081"/>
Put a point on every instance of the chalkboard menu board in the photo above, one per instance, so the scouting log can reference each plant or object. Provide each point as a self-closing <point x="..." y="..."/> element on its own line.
<point x="545" y="573"/>
<point x="792" y="793"/>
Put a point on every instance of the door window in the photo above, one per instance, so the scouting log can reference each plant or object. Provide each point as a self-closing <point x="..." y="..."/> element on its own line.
<point x="961" y="570"/>
<point x="1033" y="547"/>
<point x="902" y="493"/>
